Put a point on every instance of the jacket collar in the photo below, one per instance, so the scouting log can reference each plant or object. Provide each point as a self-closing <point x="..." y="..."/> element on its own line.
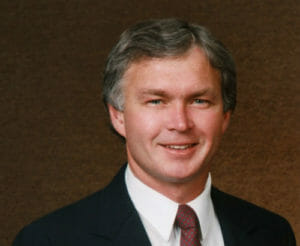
<point x="118" y="220"/>
<point x="235" y="218"/>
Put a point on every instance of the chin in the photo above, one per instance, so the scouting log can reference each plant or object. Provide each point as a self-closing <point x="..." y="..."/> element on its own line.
<point x="180" y="176"/>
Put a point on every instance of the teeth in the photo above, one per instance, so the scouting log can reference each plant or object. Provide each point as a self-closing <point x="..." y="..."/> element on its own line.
<point x="179" y="146"/>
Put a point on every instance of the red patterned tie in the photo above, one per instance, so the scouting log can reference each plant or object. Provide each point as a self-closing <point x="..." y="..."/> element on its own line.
<point x="188" y="222"/>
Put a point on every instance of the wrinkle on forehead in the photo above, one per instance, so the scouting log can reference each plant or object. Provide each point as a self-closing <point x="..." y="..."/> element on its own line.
<point x="181" y="77"/>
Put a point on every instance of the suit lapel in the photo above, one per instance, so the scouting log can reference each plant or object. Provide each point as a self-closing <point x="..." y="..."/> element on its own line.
<point x="120" y="221"/>
<point x="125" y="227"/>
<point x="132" y="233"/>
<point x="115" y="221"/>
<point x="112" y="219"/>
<point x="242" y="223"/>
<point x="234" y="229"/>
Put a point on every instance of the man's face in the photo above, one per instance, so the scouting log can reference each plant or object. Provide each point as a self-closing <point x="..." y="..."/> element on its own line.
<point x="173" y="117"/>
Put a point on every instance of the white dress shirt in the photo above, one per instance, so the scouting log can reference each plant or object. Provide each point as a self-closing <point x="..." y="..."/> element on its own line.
<point x="158" y="214"/>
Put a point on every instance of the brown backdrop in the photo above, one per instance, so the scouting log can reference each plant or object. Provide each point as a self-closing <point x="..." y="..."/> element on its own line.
<point x="55" y="144"/>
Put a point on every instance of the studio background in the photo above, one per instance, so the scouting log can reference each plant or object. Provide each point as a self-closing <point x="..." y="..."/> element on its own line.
<point x="55" y="142"/>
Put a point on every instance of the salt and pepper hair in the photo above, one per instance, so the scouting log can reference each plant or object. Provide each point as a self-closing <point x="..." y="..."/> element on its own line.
<point x="166" y="38"/>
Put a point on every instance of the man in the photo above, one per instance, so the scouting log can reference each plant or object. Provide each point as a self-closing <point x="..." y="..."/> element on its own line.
<point x="170" y="90"/>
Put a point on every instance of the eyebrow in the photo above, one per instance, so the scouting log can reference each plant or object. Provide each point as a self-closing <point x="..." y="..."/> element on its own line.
<point x="154" y="92"/>
<point x="162" y="93"/>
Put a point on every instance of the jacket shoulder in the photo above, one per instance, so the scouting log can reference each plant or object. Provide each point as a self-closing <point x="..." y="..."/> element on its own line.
<point x="249" y="219"/>
<point x="99" y="219"/>
<point x="65" y="225"/>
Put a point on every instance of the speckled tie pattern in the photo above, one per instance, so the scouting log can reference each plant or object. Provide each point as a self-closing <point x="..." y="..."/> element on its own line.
<point x="188" y="222"/>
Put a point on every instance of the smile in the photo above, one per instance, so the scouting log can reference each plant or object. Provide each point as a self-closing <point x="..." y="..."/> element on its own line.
<point x="180" y="147"/>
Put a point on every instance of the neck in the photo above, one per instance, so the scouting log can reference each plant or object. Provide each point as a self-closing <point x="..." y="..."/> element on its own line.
<point x="178" y="191"/>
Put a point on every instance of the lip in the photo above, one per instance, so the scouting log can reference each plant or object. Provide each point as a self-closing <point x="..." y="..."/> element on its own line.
<point x="179" y="149"/>
<point x="179" y="146"/>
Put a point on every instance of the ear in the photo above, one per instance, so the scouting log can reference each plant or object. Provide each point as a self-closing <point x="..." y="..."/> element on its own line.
<point x="226" y="120"/>
<point x="117" y="120"/>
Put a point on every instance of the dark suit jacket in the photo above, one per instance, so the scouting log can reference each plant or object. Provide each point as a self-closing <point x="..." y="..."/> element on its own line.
<point x="108" y="217"/>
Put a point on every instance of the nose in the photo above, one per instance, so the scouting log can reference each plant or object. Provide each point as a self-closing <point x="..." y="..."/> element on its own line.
<point x="178" y="118"/>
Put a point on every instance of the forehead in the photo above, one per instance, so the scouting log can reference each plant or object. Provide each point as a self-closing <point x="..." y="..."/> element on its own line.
<point x="195" y="52"/>
<point x="191" y="67"/>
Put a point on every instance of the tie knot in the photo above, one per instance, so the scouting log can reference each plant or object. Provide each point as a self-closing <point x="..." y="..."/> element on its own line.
<point x="186" y="218"/>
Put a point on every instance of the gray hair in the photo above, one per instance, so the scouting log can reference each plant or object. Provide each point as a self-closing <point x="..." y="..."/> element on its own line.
<point x="166" y="38"/>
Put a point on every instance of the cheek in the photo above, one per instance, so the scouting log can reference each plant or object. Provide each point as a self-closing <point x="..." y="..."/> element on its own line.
<point x="141" y="124"/>
<point x="210" y="124"/>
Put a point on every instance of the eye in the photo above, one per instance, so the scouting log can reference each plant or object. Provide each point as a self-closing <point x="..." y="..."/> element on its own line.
<point x="200" y="101"/>
<point x="155" y="101"/>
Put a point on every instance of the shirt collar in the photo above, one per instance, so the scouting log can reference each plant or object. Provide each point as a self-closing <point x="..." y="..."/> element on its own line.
<point x="160" y="211"/>
<point x="203" y="207"/>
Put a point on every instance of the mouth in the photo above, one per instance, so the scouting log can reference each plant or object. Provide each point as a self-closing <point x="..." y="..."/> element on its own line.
<point x="179" y="150"/>
<point x="179" y="146"/>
